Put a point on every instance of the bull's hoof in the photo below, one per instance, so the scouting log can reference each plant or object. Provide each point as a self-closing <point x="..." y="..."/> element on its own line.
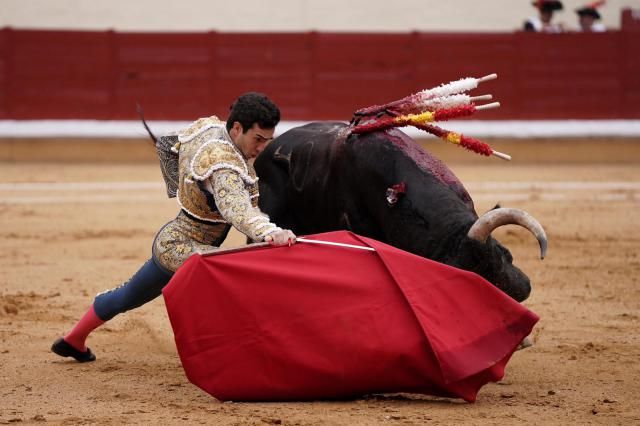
<point x="526" y="342"/>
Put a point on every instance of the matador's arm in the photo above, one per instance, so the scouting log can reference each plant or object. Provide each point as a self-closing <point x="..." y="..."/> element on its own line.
<point x="234" y="204"/>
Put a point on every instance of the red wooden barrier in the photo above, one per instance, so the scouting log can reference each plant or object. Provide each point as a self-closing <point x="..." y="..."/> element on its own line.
<point x="441" y="58"/>
<point x="101" y="75"/>
<point x="59" y="74"/>
<point x="279" y="65"/>
<point x="168" y="74"/>
<point x="630" y="67"/>
<point x="630" y="20"/>
<point x="576" y="75"/>
<point x="356" y="70"/>
<point x="5" y="54"/>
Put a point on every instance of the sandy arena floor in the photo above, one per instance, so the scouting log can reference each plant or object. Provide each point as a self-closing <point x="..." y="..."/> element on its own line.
<point x="87" y="227"/>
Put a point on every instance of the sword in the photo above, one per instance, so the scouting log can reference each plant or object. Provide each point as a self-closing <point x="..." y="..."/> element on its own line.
<point x="302" y="240"/>
<point x="330" y="243"/>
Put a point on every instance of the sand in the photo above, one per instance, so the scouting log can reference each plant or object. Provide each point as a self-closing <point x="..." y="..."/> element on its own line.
<point x="60" y="245"/>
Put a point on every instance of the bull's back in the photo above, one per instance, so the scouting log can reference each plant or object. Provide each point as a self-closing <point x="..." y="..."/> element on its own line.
<point x="302" y="170"/>
<point x="321" y="133"/>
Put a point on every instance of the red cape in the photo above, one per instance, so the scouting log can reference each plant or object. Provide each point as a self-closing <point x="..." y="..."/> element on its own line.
<point x="315" y="322"/>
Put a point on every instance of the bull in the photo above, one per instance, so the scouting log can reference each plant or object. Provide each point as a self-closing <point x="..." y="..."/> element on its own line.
<point x="318" y="177"/>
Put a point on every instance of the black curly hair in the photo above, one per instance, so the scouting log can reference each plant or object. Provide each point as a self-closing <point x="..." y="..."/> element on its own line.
<point x="251" y="108"/>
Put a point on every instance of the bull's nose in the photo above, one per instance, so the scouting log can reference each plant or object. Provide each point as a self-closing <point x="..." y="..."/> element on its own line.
<point x="523" y="291"/>
<point x="518" y="289"/>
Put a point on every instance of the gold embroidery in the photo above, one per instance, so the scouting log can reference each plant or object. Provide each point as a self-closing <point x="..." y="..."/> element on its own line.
<point x="197" y="126"/>
<point x="210" y="162"/>
<point x="235" y="204"/>
<point x="208" y="149"/>
<point x="215" y="155"/>
<point x="182" y="237"/>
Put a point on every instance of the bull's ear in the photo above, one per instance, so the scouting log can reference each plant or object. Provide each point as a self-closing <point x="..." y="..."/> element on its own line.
<point x="497" y="206"/>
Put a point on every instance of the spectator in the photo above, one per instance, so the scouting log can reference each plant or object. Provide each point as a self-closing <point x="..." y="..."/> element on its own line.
<point x="542" y="23"/>
<point x="588" y="17"/>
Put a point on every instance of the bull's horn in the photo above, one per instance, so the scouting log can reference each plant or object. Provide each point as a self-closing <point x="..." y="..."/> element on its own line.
<point x="493" y="219"/>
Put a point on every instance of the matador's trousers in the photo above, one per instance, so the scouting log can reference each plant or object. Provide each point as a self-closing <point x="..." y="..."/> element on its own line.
<point x="174" y="243"/>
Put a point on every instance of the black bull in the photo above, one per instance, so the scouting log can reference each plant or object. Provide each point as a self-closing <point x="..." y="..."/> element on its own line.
<point x="382" y="185"/>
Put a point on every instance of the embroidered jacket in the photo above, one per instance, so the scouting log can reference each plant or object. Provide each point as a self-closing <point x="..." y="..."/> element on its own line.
<point x="216" y="184"/>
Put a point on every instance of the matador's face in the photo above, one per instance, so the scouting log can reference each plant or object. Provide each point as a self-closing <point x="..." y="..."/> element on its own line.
<point x="253" y="141"/>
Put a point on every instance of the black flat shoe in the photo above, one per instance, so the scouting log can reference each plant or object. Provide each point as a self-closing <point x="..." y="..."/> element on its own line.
<point x="62" y="348"/>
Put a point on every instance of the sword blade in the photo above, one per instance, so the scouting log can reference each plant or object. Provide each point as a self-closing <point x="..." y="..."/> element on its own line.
<point x="330" y="243"/>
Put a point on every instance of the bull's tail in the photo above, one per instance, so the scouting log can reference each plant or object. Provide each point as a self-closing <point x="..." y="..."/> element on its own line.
<point x="144" y="123"/>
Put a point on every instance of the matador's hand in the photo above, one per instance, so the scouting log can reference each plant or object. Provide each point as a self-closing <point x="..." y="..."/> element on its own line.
<point x="280" y="238"/>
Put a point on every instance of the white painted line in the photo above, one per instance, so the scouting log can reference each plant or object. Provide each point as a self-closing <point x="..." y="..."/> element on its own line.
<point x="494" y="197"/>
<point x="501" y="197"/>
<point x="573" y="185"/>
<point x="476" y="186"/>
<point x="153" y="192"/>
<point x="114" y="199"/>
<point x="93" y="199"/>
<point x="80" y="186"/>
<point x="136" y="198"/>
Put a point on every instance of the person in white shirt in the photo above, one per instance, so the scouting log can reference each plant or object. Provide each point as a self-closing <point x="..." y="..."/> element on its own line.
<point x="588" y="17"/>
<point x="543" y="22"/>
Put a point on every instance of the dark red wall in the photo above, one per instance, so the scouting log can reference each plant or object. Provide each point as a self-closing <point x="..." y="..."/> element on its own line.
<point x="101" y="75"/>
